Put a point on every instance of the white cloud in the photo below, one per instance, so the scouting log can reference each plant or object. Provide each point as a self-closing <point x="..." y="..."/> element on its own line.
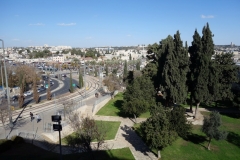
<point x="36" y="24"/>
<point x="15" y="39"/>
<point x="66" y="24"/>
<point x="207" y="16"/>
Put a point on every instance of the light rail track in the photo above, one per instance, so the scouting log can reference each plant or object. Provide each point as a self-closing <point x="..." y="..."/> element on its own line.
<point x="92" y="86"/>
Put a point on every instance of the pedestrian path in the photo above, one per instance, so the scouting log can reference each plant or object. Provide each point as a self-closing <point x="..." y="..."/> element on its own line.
<point x="127" y="137"/>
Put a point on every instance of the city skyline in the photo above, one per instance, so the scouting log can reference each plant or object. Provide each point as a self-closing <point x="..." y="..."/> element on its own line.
<point x="115" y="23"/>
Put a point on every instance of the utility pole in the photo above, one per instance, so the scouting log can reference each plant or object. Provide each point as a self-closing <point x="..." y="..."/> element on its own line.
<point x="2" y="76"/>
<point x="8" y="94"/>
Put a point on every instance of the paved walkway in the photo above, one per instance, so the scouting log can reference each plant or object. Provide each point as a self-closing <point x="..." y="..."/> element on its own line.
<point x="126" y="137"/>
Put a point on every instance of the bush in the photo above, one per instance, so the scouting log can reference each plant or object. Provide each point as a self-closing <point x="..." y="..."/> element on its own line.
<point x="5" y="145"/>
<point x="17" y="140"/>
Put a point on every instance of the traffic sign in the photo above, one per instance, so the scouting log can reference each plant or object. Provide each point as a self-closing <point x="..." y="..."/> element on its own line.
<point x="46" y="86"/>
<point x="74" y="85"/>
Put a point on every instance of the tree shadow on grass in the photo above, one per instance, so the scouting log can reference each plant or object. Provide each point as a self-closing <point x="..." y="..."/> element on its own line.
<point x="233" y="138"/>
<point x="135" y="140"/>
<point x="196" y="139"/>
<point x="118" y="104"/>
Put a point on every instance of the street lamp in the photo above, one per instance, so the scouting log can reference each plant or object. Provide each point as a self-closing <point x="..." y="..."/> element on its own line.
<point x="8" y="94"/>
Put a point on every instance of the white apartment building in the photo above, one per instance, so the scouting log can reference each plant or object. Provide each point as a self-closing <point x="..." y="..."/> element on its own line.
<point x="58" y="58"/>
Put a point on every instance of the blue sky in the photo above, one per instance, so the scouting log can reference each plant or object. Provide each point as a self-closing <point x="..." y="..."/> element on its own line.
<point x="93" y="23"/>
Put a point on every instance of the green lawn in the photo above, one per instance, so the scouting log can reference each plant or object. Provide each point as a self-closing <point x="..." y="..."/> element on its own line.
<point x="26" y="151"/>
<point x="195" y="146"/>
<point x="114" y="154"/>
<point x="111" y="126"/>
<point x="113" y="108"/>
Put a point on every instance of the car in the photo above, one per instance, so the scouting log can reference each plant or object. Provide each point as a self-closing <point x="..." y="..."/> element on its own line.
<point x="52" y="83"/>
<point x="38" y="90"/>
<point x="42" y="89"/>
<point x="25" y="94"/>
<point x="28" y="93"/>
<point x="64" y="75"/>
<point x="14" y="98"/>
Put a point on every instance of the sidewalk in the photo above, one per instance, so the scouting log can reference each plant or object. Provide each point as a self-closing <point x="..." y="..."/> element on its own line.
<point x="127" y="137"/>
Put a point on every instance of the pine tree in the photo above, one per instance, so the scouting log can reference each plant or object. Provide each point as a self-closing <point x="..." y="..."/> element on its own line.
<point x="227" y="75"/>
<point x="71" y="83"/>
<point x="178" y="121"/>
<point x="157" y="131"/>
<point x="138" y="96"/>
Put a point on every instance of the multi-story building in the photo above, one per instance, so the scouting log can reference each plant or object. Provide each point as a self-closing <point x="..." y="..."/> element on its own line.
<point x="58" y="58"/>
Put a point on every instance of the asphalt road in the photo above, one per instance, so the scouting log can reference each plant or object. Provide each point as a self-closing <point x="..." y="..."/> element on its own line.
<point x="29" y="99"/>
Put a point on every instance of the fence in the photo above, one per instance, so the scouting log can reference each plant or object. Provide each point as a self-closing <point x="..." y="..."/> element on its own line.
<point x="100" y="102"/>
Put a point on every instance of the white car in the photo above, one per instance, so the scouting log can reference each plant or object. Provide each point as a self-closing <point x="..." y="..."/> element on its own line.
<point x="28" y="93"/>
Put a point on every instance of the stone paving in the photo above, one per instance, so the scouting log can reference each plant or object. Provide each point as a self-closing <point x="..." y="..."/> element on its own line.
<point x="126" y="137"/>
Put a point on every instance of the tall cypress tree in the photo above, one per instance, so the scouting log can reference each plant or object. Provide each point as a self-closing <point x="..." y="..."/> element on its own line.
<point x="195" y="53"/>
<point x="80" y="80"/>
<point x="203" y="71"/>
<point x="106" y="70"/>
<point x="174" y="75"/>
<point x="71" y="83"/>
<point x="125" y="70"/>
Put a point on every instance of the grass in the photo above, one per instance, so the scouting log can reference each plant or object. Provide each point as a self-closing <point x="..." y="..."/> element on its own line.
<point x="113" y="108"/>
<point x="111" y="126"/>
<point x="194" y="147"/>
<point x="26" y="151"/>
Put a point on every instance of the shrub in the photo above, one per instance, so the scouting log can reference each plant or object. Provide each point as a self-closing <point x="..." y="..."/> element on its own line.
<point x="5" y="145"/>
<point x="17" y="140"/>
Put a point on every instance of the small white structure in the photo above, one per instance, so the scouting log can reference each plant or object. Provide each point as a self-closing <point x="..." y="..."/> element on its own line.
<point x="58" y="58"/>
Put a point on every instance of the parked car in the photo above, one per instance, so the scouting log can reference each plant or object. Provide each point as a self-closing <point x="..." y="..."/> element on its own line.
<point x="38" y="90"/>
<point x="42" y="89"/>
<point x="64" y="75"/>
<point x="28" y="93"/>
<point x="14" y="98"/>
<point x="25" y="94"/>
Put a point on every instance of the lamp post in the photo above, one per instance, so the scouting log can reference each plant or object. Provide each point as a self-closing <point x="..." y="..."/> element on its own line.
<point x="8" y="94"/>
<point x="2" y="75"/>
